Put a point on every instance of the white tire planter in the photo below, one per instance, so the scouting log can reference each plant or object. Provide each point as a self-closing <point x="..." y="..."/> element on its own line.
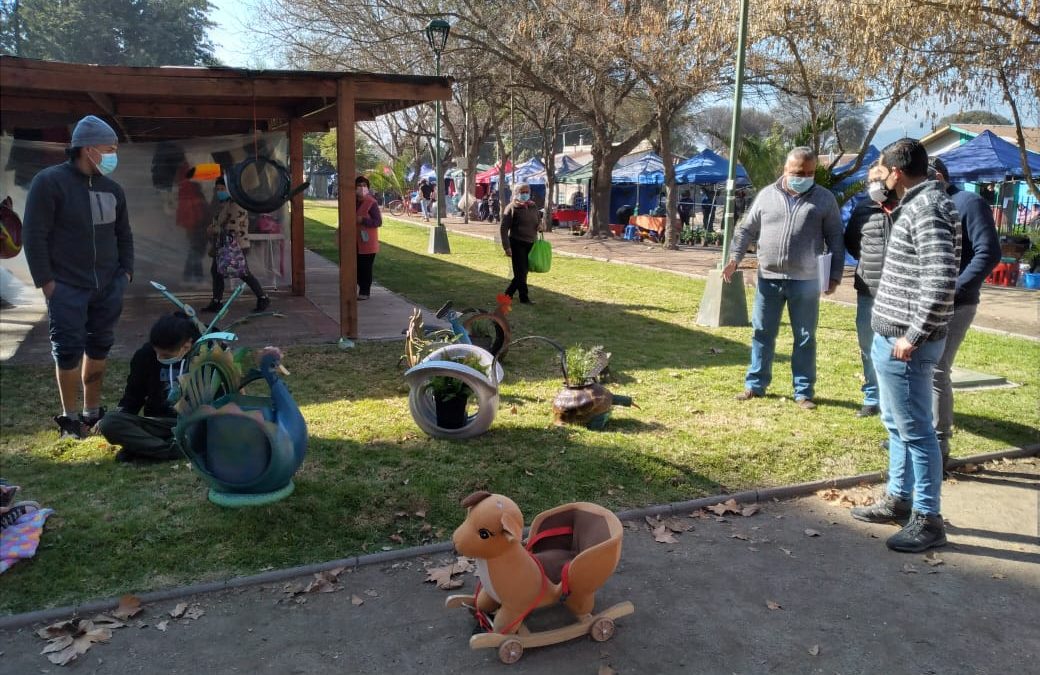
<point x="421" y="403"/>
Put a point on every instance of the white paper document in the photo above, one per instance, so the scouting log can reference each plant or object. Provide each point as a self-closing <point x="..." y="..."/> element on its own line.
<point x="823" y="270"/>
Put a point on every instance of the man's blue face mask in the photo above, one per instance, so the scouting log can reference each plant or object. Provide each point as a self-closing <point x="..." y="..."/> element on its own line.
<point x="800" y="184"/>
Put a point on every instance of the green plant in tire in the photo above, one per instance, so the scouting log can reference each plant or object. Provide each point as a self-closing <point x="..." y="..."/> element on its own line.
<point x="445" y="388"/>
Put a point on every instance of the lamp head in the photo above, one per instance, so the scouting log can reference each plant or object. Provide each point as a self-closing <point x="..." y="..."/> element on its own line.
<point x="437" y="34"/>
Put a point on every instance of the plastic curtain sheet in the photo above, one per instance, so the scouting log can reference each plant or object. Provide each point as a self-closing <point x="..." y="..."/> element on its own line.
<point x="166" y="210"/>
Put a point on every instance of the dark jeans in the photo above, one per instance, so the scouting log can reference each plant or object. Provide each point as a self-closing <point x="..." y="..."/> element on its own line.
<point x="520" y="249"/>
<point x="365" y="262"/>
<point x="84" y="320"/>
<point x="218" y="283"/>
<point x="150" y="437"/>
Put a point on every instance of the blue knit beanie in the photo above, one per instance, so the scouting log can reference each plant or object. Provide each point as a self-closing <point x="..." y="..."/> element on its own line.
<point x="92" y="131"/>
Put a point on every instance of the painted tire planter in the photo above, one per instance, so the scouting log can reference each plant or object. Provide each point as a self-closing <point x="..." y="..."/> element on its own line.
<point x="587" y="405"/>
<point x="423" y="406"/>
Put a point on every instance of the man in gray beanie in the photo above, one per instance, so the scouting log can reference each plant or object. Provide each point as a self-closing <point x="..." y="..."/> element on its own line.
<point x="80" y="251"/>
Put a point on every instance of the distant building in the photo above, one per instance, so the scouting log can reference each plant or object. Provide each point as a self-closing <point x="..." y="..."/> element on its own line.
<point x="955" y="135"/>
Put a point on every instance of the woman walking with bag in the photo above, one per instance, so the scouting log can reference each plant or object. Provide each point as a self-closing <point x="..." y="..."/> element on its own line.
<point x="229" y="237"/>
<point x="521" y="224"/>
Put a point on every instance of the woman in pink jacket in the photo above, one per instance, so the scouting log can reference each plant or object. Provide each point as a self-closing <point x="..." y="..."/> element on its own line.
<point x="369" y="220"/>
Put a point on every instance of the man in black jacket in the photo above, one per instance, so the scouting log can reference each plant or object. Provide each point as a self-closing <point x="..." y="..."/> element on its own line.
<point x="865" y="239"/>
<point x="980" y="253"/>
<point x="143" y="423"/>
<point x="80" y="251"/>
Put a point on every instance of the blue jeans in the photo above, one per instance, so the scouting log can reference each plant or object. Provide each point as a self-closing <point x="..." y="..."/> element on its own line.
<point x="865" y="335"/>
<point x="803" y="308"/>
<point x="914" y="461"/>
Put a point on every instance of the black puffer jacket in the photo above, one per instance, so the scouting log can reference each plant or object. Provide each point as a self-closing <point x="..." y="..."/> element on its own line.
<point x="865" y="239"/>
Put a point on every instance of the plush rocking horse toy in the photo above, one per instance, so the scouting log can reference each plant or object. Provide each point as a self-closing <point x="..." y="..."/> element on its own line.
<point x="571" y="552"/>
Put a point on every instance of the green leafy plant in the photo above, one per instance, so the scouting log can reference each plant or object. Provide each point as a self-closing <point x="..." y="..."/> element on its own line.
<point x="582" y="364"/>
<point x="446" y="388"/>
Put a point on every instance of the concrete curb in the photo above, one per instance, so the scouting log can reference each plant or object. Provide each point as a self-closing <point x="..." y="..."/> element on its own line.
<point x="274" y="576"/>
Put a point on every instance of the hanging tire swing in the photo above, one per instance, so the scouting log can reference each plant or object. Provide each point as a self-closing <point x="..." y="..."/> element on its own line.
<point x="261" y="184"/>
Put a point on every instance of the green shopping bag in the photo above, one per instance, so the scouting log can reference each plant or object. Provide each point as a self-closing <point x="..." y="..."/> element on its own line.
<point x="540" y="258"/>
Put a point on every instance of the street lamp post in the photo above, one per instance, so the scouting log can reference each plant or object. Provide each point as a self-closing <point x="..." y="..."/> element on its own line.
<point x="437" y="34"/>
<point x="723" y="304"/>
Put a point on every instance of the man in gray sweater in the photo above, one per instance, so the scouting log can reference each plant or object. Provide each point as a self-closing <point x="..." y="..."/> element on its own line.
<point x="80" y="251"/>
<point x="912" y="311"/>
<point x="794" y="221"/>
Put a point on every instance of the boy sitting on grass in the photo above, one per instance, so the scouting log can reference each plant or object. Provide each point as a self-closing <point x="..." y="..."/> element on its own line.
<point x="143" y="423"/>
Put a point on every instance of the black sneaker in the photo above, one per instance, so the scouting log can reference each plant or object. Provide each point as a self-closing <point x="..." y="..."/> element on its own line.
<point x="213" y="307"/>
<point x="868" y="411"/>
<point x="888" y="509"/>
<point x="70" y="427"/>
<point x="920" y="534"/>
<point x="262" y="304"/>
<point x="89" y="422"/>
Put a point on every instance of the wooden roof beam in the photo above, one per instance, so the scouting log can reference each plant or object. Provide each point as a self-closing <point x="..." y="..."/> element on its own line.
<point x="105" y="101"/>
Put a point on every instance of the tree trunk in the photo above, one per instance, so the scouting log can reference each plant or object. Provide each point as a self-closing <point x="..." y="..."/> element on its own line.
<point x="671" y="230"/>
<point x="599" y="193"/>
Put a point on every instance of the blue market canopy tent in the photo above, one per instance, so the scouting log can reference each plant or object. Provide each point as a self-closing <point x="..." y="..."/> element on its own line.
<point x="860" y="175"/>
<point x="564" y="165"/>
<point x="426" y="171"/>
<point x="987" y="158"/>
<point x="708" y="168"/>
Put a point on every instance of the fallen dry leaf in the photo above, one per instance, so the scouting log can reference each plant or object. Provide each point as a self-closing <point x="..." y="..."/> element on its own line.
<point x="105" y="621"/>
<point x="662" y="535"/>
<point x="420" y="514"/>
<point x="933" y="560"/>
<point x="909" y="569"/>
<point x="773" y="605"/>
<point x="749" y="510"/>
<point x="371" y="593"/>
<point x="728" y="506"/>
<point x="356" y="601"/>
<point x="737" y="535"/>
<point x="72" y="640"/>
<point x="785" y="550"/>
<point x="57" y="629"/>
<point x="677" y="525"/>
<point x="997" y="575"/>
<point x="814" y="650"/>
<point x="714" y="350"/>
<point x="513" y="410"/>
<point x="604" y="669"/>
<point x="442" y="576"/>
<point x="809" y="532"/>
<point x="194" y="612"/>
<point x="396" y="538"/>
<point x="129" y="606"/>
<point x="528" y="473"/>
<point x="162" y="625"/>
<point x="179" y="610"/>
<point x="968" y="468"/>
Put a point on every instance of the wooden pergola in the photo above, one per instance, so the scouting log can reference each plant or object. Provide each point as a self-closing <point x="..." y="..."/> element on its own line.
<point x="168" y="103"/>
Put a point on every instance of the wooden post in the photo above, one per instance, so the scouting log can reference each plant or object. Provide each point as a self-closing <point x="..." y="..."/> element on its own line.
<point x="299" y="280"/>
<point x="346" y="166"/>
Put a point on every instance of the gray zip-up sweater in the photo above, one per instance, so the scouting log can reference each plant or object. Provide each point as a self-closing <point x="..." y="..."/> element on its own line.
<point x="791" y="232"/>
<point x="915" y="296"/>
<point x="76" y="229"/>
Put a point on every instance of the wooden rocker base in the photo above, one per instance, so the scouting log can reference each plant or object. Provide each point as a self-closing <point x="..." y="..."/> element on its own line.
<point x="600" y="627"/>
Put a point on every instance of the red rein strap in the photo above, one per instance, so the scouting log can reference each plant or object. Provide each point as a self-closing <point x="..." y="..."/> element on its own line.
<point x="482" y="618"/>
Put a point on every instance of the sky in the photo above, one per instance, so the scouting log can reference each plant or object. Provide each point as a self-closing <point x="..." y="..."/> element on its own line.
<point x="235" y="47"/>
<point x="230" y="35"/>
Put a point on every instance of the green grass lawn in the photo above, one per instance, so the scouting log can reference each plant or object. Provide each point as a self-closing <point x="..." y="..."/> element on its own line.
<point x="122" y="528"/>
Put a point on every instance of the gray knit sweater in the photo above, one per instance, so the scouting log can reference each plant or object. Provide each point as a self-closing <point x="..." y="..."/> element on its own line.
<point x="915" y="296"/>
<point x="791" y="232"/>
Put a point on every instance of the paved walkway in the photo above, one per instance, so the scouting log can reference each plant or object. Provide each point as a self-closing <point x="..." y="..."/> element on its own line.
<point x="845" y="605"/>
<point x="1005" y="310"/>
<point x="301" y="321"/>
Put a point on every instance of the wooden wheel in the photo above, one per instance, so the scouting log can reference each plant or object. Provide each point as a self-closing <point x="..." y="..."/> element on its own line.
<point x="602" y="629"/>
<point x="510" y="651"/>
